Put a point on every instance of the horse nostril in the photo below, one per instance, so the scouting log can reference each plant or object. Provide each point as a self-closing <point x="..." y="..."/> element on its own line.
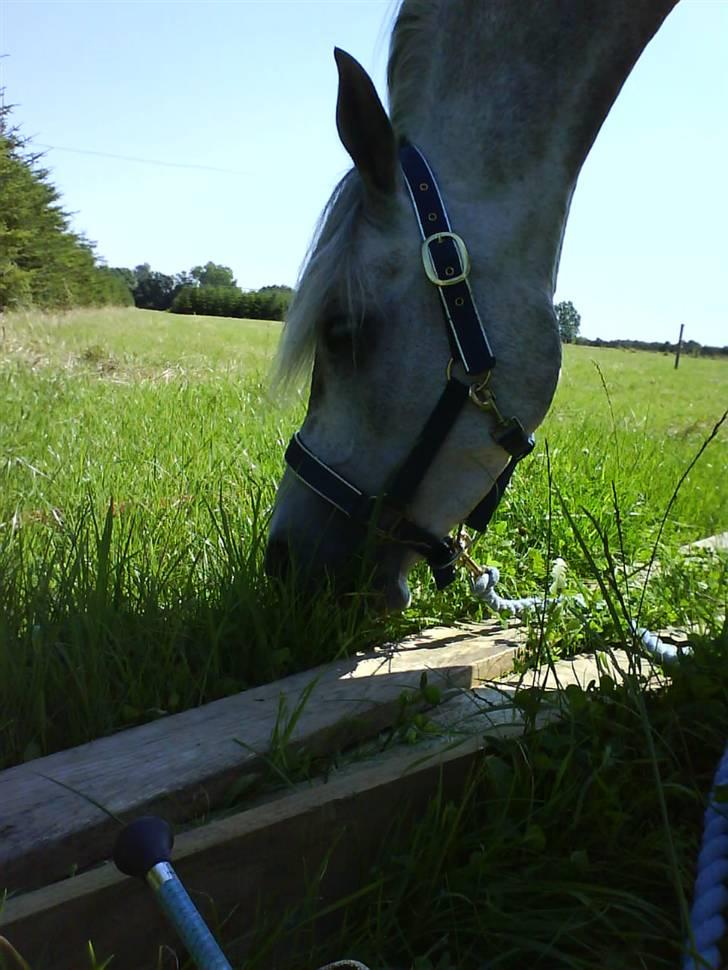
<point x="277" y="558"/>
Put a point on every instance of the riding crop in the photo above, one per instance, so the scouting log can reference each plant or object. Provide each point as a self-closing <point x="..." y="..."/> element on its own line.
<point x="143" y="849"/>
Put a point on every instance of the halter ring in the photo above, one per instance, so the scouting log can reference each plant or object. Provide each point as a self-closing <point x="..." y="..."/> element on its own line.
<point x="480" y="393"/>
<point x="429" y="263"/>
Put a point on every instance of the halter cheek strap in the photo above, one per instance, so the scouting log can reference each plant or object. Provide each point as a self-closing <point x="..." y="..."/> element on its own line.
<point x="441" y="554"/>
<point x="447" y="264"/>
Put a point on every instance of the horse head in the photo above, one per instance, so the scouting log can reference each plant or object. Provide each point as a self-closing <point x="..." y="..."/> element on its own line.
<point x="370" y="322"/>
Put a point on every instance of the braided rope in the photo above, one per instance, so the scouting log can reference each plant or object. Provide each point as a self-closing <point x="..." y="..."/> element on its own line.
<point x="483" y="587"/>
<point x="709" y="915"/>
<point x="664" y="653"/>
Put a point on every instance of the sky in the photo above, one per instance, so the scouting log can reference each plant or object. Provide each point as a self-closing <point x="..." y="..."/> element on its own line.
<point x="231" y="105"/>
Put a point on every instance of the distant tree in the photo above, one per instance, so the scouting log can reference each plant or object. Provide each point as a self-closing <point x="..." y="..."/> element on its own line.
<point x="184" y="301"/>
<point x="184" y="279"/>
<point x="113" y="286"/>
<point x="153" y="290"/>
<point x="230" y="301"/>
<point x="277" y="301"/>
<point x="279" y="288"/>
<point x="126" y="274"/>
<point x="42" y="262"/>
<point x="212" y="274"/>
<point x="569" y="320"/>
<point x="141" y="272"/>
<point x="252" y="305"/>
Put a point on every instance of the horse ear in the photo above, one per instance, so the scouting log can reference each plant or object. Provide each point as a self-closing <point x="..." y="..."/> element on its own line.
<point x="364" y="128"/>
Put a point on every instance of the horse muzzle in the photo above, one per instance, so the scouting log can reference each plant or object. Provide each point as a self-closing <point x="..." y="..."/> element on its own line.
<point x="314" y="545"/>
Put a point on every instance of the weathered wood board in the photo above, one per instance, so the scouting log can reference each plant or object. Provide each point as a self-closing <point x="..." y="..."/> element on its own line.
<point x="263" y="860"/>
<point x="489" y="710"/>
<point x="182" y="766"/>
<point x="185" y="763"/>
<point x="718" y="543"/>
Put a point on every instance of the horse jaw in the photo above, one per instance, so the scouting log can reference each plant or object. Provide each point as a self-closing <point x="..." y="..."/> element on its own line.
<point x="312" y="545"/>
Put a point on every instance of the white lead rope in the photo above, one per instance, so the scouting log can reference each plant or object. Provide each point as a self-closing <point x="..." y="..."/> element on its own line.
<point x="483" y="587"/>
<point x="664" y="653"/>
<point x="709" y="914"/>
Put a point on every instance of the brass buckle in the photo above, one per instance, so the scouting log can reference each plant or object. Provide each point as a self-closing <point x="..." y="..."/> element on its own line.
<point x="480" y="394"/>
<point x="428" y="263"/>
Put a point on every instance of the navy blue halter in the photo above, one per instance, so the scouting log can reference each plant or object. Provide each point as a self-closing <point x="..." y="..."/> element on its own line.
<point x="447" y="265"/>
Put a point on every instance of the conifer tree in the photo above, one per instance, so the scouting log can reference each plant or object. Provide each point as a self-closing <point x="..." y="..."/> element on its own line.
<point x="43" y="263"/>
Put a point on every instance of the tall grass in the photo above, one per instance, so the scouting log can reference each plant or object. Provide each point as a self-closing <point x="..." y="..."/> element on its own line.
<point x="138" y="461"/>
<point x="558" y="853"/>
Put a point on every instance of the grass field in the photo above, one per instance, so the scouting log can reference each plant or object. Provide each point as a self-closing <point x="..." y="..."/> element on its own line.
<point x="139" y="457"/>
<point x="140" y="453"/>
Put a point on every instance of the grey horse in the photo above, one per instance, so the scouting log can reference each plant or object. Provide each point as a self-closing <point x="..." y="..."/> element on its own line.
<point x="505" y="100"/>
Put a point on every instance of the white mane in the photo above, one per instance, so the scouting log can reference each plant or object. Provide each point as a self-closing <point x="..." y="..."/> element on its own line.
<point x="331" y="244"/>
<point x="329" y="254"/>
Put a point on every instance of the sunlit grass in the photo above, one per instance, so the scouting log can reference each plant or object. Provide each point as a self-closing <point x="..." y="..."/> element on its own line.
<point x="571" y="847"/>
<point x="133" y="340"/>
<point x="139" y="454"/>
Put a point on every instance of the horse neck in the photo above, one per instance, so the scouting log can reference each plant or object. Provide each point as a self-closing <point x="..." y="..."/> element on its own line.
<point x="510" y="96"/>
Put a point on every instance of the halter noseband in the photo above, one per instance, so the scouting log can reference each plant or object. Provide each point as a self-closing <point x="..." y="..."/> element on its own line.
<point x="447" y="265"/>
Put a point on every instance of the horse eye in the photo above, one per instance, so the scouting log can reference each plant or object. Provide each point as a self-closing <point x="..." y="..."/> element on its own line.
<point x="337" y="334"/>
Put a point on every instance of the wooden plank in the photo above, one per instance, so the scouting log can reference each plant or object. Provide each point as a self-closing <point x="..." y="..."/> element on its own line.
<point x="718" y="543"/>
<point x="492" y="710"/>
<point x="263" y="860"/>
<point x="266" y="857"/>
<point x="480" y="710"/>
<point x="182" y="766"/>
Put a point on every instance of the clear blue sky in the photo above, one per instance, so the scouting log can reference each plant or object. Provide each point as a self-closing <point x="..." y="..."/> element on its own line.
<point x="251" y="86"/>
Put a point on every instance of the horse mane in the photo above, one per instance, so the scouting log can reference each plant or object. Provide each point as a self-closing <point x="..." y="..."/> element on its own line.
<point x="330" y="246"/>
<point x="329" y="254"/>
<point x="410" y="55"/>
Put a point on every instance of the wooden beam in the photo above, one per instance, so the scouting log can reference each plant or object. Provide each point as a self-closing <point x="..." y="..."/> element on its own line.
<point x="719" y="543"/>
<point x="183" y="766"/>
<point x="320" y="839"/>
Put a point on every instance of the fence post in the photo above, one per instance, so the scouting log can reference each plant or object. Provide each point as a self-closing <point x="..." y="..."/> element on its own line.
<point x="679" y="346"/>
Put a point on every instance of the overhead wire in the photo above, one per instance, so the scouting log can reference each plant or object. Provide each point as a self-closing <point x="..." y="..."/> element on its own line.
<point x="142" y="161"/>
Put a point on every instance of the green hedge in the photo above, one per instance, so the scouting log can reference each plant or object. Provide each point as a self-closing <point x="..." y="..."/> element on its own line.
<point x="268" y="303"/>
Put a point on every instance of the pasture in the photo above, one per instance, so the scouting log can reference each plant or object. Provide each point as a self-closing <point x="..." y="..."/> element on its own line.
<point x="140" y="454"/>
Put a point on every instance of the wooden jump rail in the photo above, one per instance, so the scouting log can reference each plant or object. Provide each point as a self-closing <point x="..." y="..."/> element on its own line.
<point x="183" y="766"/>
<point x="267" y="857"/>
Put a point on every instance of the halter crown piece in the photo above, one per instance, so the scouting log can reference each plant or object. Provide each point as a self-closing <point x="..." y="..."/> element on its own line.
<point x="447" y="265"/>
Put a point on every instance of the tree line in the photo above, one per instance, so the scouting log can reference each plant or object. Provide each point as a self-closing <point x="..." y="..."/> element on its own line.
<point x="210" y="290"/>
<point x="690" y="348"/>
<point x="569" y="321"/>
<point x="43" y="263"/>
